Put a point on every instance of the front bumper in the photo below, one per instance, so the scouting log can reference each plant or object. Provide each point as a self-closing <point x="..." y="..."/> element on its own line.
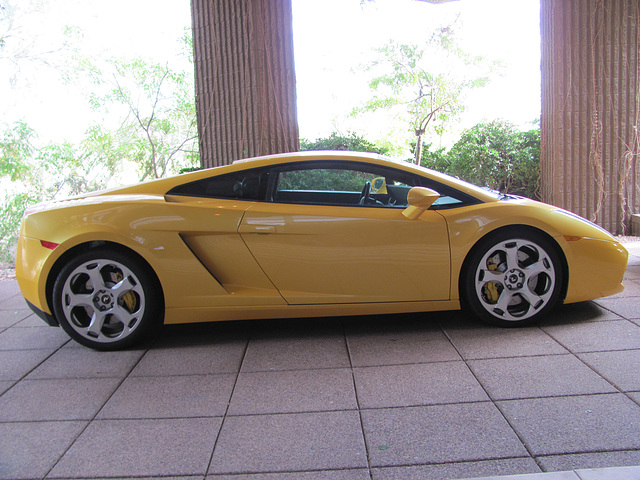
<point x="596" y="268"/>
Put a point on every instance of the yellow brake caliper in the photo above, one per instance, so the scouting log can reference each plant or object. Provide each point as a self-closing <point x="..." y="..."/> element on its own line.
<point x="129" y="298"/>
<point x="490" y="289"/>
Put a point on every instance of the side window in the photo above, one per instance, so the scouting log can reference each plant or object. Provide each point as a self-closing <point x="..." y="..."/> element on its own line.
<point x="449" y="197"/>
<point x="245" y="185"/>
<point x="353" y="184"/>
<point x="323" y="179"/>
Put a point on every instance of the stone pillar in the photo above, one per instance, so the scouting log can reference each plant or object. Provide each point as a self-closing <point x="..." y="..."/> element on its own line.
<point x="245" y="79"/>
<point x="590" y="109"/>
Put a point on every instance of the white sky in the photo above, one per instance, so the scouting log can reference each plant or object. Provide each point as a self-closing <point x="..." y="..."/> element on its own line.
<point x="332" y="38"/>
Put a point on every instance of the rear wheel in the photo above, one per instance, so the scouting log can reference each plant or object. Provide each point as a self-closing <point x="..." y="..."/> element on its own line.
<point x="512" y="278"/>
<point x="106" y="299"/>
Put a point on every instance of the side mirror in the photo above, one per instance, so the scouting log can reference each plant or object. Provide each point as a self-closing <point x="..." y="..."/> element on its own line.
<point x="419" y="199"/>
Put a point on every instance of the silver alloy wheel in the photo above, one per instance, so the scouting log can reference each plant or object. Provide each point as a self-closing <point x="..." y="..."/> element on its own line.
<point x="515" y="279"/>
<point x="103" y="300"/>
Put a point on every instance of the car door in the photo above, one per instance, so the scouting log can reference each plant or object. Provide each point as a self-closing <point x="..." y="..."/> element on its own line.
<point x="320" y="242"/>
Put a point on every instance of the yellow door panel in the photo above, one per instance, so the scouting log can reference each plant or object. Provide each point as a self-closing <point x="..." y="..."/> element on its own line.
<point x="335" y="254"/>
<point x="210" y="229"/>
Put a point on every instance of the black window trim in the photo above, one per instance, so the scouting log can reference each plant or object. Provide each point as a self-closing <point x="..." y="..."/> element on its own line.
<point x="274" y="170"/>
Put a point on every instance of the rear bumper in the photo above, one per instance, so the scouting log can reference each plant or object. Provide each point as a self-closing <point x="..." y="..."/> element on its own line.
<point x="31" y="260"/>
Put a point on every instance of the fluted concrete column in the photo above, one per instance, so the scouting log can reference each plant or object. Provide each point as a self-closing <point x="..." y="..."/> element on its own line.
<point x="245" y="79"/>
<point x="590" y="108"/>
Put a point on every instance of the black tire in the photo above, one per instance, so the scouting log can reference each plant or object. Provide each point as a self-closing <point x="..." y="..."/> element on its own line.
<point x="107" y="299"/>
<point x="511" y="278"/>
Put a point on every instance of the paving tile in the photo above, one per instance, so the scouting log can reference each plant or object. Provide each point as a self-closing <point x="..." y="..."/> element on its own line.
<point x="223" y="357"/>
<point x="6" y="385"/>
<point x="622" y="368"/>
<point x="596" y="336"/>
<point x="30" y="449"/>
<point x="354" y="474"/>
<point x="293" y="391"/>
<point x="130" y="448"/>
<point x="296" y="352"/>
<point x="632" y="272"/>
<point x="189" y="477"/>
<point x="439" y="434"/>
<point x="578" y="313"/>
<point x="61" y="399"/>
<point x="421" y="384"/>
<point x="631" y="289"/>
<point x="170" y="397"/>
<point x="31" y="320"/>
<point x="33" y="338"/>
<point x="71" y="362"/>
<point x="396" y="343"/>
<point x="620" y="473"/>
<point x="627" y="307"/>
<point x="292" y="442"/>
<point x="492" y="342"/>
<point x="447" y="471"/>
<point x="539" y="476"/>
<point x="13" y="302"/>
<point x="577" y="461"/>
<point x="545" y="376"/>
<point x="15" y="364"/>
<point x="8" y="289"/>
<point x="575" y="424"/>
<point x="9" y="318"/>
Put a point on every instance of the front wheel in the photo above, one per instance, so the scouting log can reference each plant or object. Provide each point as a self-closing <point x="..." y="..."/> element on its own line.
<point x="512" y="278"/>
<point x="106" y="299"/>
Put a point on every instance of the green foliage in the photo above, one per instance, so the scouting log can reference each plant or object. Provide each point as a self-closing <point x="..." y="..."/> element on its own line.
<point x="38" y="174"/>
<point x="10" y="215"/>
<point x="435" y="159"/>
<point x="351" y="142"/>
<point x="495" y="155"/>
<point x="15" y="148"/>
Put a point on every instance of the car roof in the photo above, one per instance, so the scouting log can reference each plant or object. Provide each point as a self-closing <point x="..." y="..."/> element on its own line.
<point x="161" y="186"/>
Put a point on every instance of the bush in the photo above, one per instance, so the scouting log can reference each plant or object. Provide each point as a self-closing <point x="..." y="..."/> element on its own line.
<point x="495" y="155"/>
<point x="337" y="142"/>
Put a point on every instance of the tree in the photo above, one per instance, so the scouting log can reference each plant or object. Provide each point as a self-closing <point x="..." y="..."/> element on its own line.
<point x="158" y="133"/>
<point x="425" y="83"/>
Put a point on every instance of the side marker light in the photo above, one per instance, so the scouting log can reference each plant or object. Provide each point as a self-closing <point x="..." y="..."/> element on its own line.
<point x="571" y="238"/>
<point x="49" y="245"/>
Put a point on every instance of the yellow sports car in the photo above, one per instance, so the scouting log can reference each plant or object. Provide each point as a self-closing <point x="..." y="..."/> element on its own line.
<point x="300" y="235"/>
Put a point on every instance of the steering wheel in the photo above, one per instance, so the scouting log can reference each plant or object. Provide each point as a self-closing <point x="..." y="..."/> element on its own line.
<point x="366" y="191"/>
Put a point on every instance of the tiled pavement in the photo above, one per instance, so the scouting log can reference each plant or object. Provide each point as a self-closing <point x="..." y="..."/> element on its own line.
<point x="429" y="396"/>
